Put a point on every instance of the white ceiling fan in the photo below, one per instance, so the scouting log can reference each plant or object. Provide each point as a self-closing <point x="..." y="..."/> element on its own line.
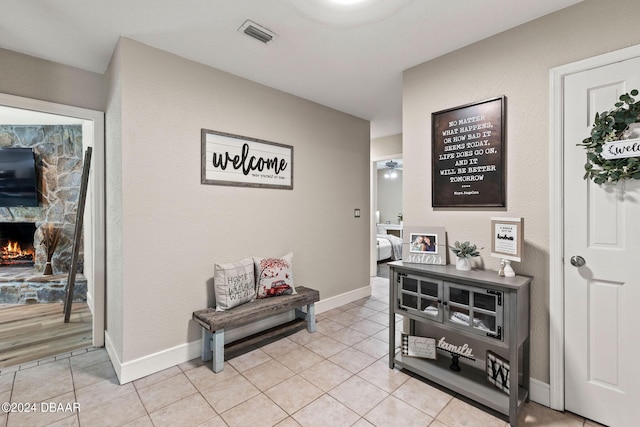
<point x="392" y="168"/>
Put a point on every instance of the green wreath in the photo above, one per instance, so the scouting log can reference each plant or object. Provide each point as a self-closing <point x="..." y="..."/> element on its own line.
<point x="610" y="126"/>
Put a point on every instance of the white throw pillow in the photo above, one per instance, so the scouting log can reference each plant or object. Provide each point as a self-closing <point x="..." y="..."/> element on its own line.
<point x="234" y="284"/>
<point x="274" y="276"/>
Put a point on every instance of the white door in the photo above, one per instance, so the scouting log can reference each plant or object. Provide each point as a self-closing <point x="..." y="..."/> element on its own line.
<point x="602" y="297"/>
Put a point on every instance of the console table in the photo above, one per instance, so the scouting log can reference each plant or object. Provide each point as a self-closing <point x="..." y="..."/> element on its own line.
<point x="475" y="319"/>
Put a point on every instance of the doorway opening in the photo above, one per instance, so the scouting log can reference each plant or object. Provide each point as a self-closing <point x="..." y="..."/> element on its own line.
<point x="386" y="212"/>
<point x="87" y="319"/>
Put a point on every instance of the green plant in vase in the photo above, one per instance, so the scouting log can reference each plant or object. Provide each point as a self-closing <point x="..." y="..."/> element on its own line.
<point x="464" y="251"/>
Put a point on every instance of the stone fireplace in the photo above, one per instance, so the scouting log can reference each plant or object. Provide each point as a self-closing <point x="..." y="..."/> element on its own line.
<point x="59" y="154"/>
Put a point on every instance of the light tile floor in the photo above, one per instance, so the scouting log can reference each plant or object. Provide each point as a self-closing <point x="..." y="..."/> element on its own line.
<point x="338" y="376"/>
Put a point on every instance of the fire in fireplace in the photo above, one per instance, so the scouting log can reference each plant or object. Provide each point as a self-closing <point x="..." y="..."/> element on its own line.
<point x="16" y="243"/>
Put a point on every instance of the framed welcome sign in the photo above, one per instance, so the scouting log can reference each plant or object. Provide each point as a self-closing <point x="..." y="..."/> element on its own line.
<point x="229" y="159"/>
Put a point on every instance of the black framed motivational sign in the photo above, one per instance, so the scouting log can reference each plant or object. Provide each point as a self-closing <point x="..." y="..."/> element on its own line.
<point x="468" y="155"/>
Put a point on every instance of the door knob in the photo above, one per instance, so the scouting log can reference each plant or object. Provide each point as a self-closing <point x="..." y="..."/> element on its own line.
<point x="577" y="261"/>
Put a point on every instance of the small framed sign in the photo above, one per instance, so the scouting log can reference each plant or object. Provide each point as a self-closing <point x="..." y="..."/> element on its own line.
<point x="419" y="346"/>
<point x="507" y="238"/>
<point x="236" y="160"/>
<point x="468" y="155"/>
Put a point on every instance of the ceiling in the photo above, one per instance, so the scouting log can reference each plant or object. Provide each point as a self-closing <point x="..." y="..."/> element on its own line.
<point x="347" y="57"/>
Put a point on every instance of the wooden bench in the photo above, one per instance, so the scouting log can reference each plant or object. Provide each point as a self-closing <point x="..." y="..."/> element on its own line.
<point x="214" y="322"/>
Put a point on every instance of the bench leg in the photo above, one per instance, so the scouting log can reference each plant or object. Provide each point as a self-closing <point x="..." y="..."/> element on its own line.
<point x="217" y="343"/>
<point x="309" y="316"/>
<point x="206" y="345"/>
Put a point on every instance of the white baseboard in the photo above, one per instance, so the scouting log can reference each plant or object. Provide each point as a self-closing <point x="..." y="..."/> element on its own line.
<point x="147" y="365"/>
<point x="539" y="392"/>
<point x="342" y="299"/>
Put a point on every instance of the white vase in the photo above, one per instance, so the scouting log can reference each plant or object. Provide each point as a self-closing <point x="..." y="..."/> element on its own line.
<point x="463" y="263"/>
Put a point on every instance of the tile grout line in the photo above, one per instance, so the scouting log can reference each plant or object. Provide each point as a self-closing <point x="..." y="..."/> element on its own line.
<point x="198" y="391"/>
<point x="75" y="393"/>
<point x="327" y="393"/>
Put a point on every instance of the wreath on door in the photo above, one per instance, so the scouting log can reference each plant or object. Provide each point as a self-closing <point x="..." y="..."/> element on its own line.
<point x="613" y="125"/>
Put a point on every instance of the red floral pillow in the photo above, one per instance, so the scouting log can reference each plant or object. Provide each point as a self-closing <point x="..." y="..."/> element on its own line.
<point x="274" y="276"/>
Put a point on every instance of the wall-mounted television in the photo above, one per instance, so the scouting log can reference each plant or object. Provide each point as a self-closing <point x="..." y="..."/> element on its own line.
<point x="17" y="177"/>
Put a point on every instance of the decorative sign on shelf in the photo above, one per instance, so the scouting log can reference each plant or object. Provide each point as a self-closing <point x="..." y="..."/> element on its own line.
<point x="459" y="350"/>
<point x="418" y="346"/>
<point x="425" y="245"/>
<point x="236" y="160"/>
<point x="468" y="155"/>
<point x="498" y="371"/>
<point x="507" y="238"/>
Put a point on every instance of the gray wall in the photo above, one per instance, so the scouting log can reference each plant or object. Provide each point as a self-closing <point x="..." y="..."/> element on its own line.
<point x="386" y="146"/>
<point x="166" y="230"/>
<point x="30" y="77"/>
<point x="115" y="325"/>
<point x="515" y="63"/>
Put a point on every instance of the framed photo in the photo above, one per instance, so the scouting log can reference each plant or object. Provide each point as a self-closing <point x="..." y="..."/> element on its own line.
<point x="468" y="155"/>
<point x="236" y="160"/>
<point x="507" y="238"/>
<point x="424" y="245"/>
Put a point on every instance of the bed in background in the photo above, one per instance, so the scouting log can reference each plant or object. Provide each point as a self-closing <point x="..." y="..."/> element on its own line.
<point x="389" y="247"/>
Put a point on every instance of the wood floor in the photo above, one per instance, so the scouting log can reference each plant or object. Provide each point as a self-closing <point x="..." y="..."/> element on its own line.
<point x="30" y="332"/>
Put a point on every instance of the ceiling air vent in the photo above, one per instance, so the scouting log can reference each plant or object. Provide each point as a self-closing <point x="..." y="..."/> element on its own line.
<point x="256" y="31"/>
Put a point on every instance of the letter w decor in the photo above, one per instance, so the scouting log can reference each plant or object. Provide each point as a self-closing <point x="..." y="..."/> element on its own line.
<point x="236" y="160"/>
<point x="498" y="371"/>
